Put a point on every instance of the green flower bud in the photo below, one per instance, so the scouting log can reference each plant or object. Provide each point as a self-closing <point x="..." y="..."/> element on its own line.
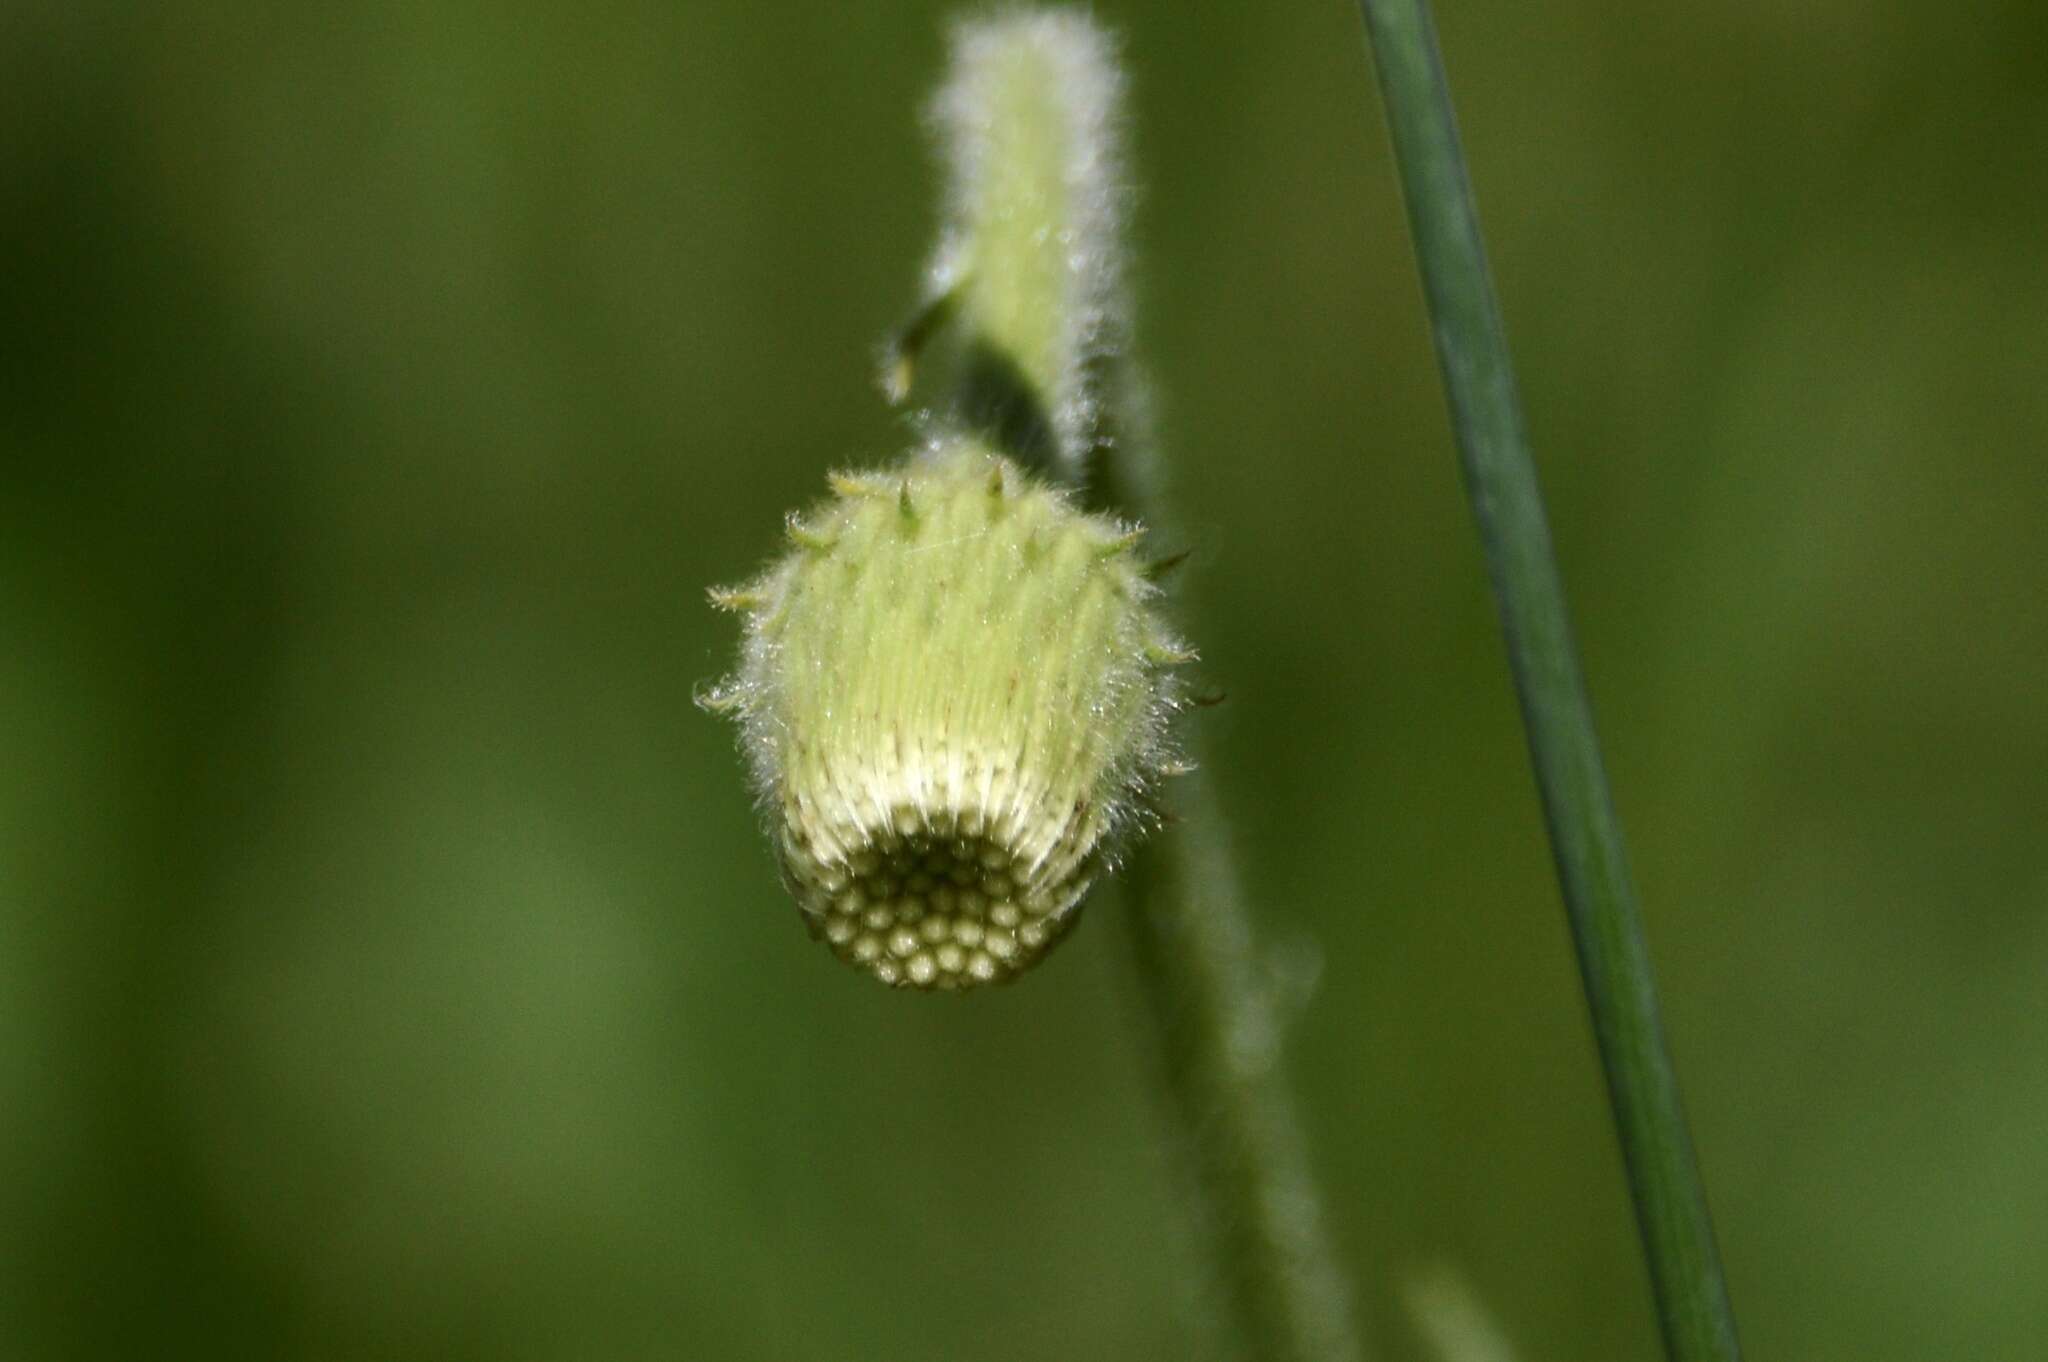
<point x="954" y="694"/>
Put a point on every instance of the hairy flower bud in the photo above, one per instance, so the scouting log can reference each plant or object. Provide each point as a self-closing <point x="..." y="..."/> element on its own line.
<point x="954" y="695"/>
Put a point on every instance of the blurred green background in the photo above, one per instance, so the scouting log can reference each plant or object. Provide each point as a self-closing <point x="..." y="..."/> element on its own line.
<point x="389" y="962"/>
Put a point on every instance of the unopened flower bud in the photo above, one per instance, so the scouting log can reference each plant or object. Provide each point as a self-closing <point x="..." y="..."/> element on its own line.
<point x="954" y="694"/>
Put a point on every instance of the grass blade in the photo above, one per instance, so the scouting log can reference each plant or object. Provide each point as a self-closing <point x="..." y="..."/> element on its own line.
<point x="1585" y="835"/>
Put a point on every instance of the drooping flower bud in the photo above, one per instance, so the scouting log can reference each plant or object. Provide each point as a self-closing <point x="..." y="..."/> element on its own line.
<point x="954" y="695"/>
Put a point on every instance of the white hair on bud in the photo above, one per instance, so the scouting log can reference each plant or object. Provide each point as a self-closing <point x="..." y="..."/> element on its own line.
<point x="955" y="693"/>
<point x="1030" y="126"/>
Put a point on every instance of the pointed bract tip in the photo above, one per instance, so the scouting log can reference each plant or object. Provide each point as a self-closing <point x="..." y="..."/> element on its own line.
<point x="851" y="484"/>
<point x="806" y="537"/>
<point x="1159" y="568"/>
<point x="719" y="697"/>
<point x="1167" y="653"/>
<point x="736" y="598"/>
<point x="1122" y="543"/>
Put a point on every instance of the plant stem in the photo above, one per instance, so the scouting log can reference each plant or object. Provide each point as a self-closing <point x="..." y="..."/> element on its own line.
<point x="1029" y="280"/>
<point x="1585" y="834"/>
<point x="1220" y="1044"/>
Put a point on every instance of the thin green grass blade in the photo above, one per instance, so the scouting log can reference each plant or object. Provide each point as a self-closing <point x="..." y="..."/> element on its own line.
<point x="1585" y="835"/>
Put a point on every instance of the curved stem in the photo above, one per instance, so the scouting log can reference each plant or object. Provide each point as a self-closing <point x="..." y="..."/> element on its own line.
<point x="1585" y="834"/>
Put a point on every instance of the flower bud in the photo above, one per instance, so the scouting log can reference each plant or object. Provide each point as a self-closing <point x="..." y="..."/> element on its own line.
<point x="954" y="694"/>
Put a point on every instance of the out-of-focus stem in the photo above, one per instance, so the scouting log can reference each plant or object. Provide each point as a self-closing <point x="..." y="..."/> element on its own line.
<point x="1220" y="1047"/>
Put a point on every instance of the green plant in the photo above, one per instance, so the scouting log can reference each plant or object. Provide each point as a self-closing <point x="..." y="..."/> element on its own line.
<point x="1021" y="348"/>
<point x="956" y="687"/>
<point x="1585" y="833"/>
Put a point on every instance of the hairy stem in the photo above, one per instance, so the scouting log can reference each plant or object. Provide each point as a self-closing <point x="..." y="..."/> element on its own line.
<point x="1585" y="833"/>
<point x="1220" y="1046"/>
<point x="1028" y="280"/>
